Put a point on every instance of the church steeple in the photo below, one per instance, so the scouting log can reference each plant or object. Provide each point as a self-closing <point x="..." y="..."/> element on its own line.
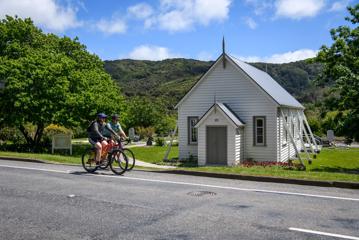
<point x="224" y="53"/>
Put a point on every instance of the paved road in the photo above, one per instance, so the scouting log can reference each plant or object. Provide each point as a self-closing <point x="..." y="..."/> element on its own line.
<point x="45" y="201"/>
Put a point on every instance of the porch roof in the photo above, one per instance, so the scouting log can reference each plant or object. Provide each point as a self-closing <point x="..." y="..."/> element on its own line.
<point x="226" y="111"/>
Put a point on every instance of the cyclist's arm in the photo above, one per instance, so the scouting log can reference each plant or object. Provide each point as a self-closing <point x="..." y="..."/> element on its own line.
<point x="121" y="132"/>
<point x="108" y="127"/>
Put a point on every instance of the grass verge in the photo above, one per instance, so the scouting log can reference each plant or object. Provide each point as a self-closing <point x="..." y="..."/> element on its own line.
<point x="338" y="164"/>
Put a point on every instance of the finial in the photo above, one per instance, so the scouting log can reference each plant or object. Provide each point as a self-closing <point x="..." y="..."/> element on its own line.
<point x="223" y="46"/>
<point x="224" y="52"/>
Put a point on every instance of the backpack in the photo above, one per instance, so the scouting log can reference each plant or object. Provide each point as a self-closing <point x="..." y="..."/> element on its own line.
<point x="89" y="128"/>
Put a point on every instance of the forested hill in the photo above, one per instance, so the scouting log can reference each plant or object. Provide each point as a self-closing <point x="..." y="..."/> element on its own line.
<point x="170" y="79"/>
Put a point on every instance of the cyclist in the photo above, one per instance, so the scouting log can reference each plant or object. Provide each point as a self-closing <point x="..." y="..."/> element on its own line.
<point x="116" y="126"/>
<point x="95" y="135"/>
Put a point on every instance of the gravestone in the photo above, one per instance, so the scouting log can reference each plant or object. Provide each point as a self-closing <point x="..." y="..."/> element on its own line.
<point x="330" y="136"/>
<point x="131" y="133"/>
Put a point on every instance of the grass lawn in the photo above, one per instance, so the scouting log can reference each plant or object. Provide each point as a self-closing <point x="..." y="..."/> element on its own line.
<point x="331" y="164"/>
<point x="153" y="154"/>
<point x="46" y="157"/>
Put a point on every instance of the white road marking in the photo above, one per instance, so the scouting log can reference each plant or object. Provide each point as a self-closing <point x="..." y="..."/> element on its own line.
<point x="191" y="184"/>
<point x="323" y="233"/>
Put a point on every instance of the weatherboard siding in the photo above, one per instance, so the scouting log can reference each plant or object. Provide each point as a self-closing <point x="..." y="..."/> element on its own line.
<point x="233" y="87"/>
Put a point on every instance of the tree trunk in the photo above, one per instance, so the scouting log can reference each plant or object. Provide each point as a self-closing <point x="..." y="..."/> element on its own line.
<point x="38" y="136"/>
<point x="34" y="143"/>
<point x="26" y="134"/>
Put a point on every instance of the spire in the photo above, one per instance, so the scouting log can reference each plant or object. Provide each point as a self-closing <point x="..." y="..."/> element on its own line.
<point x="224" y="52"/>
<point x="223" y="46"/>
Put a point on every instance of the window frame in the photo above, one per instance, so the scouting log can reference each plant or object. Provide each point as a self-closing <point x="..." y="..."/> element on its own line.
<point x="264" y="132"/>
<point x="190" y="129"/>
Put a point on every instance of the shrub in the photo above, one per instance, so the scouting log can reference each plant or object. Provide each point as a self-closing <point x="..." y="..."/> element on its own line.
<point x="160" y="141"/>
<point x="145" y="132"/>
<point x="53" y="129"/>
<point x="11" y="134"/>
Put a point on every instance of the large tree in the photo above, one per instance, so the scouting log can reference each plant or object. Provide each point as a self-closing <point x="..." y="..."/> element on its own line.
<point x="341" y="70"/>
<point x="50" y="79"/>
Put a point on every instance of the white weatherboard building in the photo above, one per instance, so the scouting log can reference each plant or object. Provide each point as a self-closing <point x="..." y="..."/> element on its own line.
<point x="236" y="112"/>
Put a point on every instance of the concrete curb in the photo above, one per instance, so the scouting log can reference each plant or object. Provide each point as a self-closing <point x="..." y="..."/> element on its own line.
<point x="23" y="159"/>
<point x="337" y="184"/>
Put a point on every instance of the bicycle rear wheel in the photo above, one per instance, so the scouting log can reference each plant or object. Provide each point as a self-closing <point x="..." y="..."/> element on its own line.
<point x="118" y="162"/>
<point x="88" y="160"/>
<point x="130" y="157"/>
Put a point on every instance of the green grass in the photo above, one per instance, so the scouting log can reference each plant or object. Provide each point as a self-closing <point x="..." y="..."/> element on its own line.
<point x="153" y="154"/>
<point x="331" y="164"/>
<point x="45" y="157"/>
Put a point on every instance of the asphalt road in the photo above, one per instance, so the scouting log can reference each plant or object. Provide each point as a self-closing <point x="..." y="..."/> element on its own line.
<point x="46" y="201"/>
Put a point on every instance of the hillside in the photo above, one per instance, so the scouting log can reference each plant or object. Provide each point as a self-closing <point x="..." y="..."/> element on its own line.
<point x="170" y="79"/>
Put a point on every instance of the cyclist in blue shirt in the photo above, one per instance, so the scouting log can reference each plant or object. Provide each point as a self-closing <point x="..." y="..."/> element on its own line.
<point x="115" y="126"/>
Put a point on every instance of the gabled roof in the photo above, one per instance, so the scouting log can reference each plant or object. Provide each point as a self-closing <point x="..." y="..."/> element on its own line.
<point x="226" y="111"/>
<point x="268" y="84"/>
<point x="262" y="79"/>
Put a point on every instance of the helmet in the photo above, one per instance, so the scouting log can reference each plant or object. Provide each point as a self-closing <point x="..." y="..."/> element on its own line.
<point x="114" y="116"/>
<point x="101" y="115"/>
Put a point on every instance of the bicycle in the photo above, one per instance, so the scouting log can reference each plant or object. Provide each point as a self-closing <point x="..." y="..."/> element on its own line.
<point x="112" y="155"/>
<point x="130" y="155"/>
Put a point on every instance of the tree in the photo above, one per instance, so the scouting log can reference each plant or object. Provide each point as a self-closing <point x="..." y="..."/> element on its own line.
<point x="146" y="112"/>
<point x="48" y="79"/>
<point x="341" y="69"/>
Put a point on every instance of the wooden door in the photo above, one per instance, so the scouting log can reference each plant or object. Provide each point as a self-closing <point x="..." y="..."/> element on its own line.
<point x="216" y="145"/>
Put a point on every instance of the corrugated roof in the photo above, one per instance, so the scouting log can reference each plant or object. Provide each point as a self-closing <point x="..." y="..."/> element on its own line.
<point x="268" y="84"/>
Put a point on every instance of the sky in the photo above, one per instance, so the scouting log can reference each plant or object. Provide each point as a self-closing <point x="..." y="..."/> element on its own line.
<point x="275" y="31"/>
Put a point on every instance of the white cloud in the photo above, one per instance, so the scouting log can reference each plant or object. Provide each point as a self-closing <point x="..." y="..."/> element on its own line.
<point x="183" y="15"/>
<point x="46" y="13"/>
<point x="251" y="23"/>
<point x="113" y="26"/>
<point x="141" y="10"/>
<point x="282" y="57"/>
<point x="150" y="52"/>
<point x="260" y="6"/>
<point x="297" y="9"/>
<point x="175" y="21"/>
<point x="338" y="6"/>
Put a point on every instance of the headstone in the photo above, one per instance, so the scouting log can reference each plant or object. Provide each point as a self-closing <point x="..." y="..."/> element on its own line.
<point x="330" y="135"/>
<point x="131" y="133"/>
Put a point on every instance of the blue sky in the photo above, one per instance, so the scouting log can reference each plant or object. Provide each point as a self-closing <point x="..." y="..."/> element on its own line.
<point x="255" y="30"/>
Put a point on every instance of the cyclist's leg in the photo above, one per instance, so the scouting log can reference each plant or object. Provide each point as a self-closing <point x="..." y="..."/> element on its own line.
<point x="98" y="147"/>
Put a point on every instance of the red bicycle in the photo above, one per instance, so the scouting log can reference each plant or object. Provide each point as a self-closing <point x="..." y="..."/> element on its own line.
<point x="111" y="155"/>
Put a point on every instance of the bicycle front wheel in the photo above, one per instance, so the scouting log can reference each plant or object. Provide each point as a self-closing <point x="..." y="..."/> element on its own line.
<point x="118" y="162"/>
<point x="130" y="157"/>
<point x="88" y="160"/>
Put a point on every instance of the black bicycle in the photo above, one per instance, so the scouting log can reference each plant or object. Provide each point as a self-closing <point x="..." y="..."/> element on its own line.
<point x="130" y="155"/>
<point x="112" y="155"/>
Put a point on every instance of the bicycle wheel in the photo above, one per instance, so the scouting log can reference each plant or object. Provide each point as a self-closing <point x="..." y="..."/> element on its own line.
<point x="88" y="160"/>
<point x="130" y="157"/>
<point x="118" y="162"/>
<point x="105" y="163"/>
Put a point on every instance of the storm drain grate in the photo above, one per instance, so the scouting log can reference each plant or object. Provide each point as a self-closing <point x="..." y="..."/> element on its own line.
<point x="201" y="193"/>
